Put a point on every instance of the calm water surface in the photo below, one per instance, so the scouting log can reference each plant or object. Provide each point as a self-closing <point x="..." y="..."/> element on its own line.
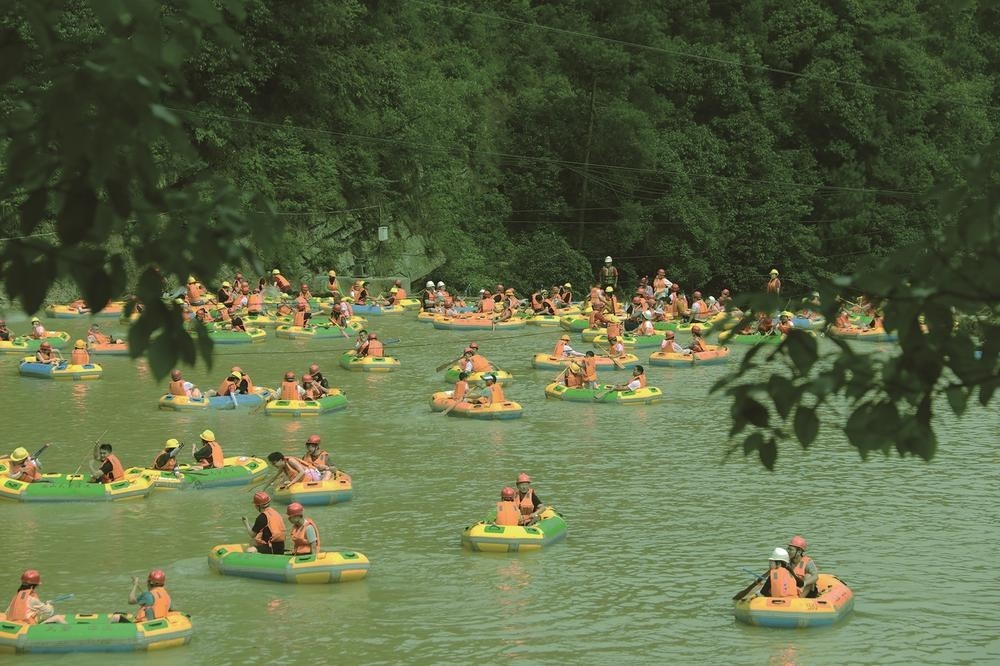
<point x="659" y="523"/>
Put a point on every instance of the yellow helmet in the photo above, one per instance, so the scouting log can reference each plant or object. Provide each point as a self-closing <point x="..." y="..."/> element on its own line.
<point x="19" y="454"/>
<point x="564" y="337"/>
<point x="609" y="289"/>
<point x="612" y="318"/>
<point x="567" y="285"/>
<point x="575" y="367"/>
<point x="171" y="444"/>
<point x="394" y="290"/>
<point x="191" y="279"/>
<point x="332" y="273"/>
<point x="774" y="271"/>
<point x="225" y="283"/>
<point x="208" y="435"/>
<point x="275" y="272"/>
<point x="79" y="344"/>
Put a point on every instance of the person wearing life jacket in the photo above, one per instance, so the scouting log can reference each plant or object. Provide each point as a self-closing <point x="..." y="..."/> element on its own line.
<point x="780" y="580"/>
<point x="79" y="355"/>
<point x="393" y="298"/>
<point x="230" y="385"/>
<point x="299" y="319"/>
<point x="608" y="275"/>
<point x="803" y="567"/>
<point x="46" y="354"/>
<point x="566" y="294"/>
<point x="224" y="294"/>
<point x="535" y="301"/>
<point x="589" y="365"/>
<point x="486" y="302"/>
<point x="180" y="387"/>
<point x="337" y="316"/>
<point x="573" y="377"/>
<point x="785" y="324"/>
<point x="616" y="348"/>
<point x="527" y="501"/>
<point x="154" y="601"/>
<point x="563" y="349"/>
<point x="400" y="291"/>
<point x="680" y="306"/>
<point x="5" y="333"/>
<point x="494" y="392"/>
<point x="210" y="455"/>
<point x="280" y="282"/>
<point x="311" y="390"/>
<point x="96" y="337"/>
<point x="290" y="389"/>
<point x="361" y="293"/>
<point x="714" y="307"/>
<point x="318" y="459"/>
<point x="637" y="382"/>
<point x="255" y="303"/>
<point x="646" y="324"/>
<point x="110" y="469"/>
<point x="699" y="309"/>
<point x="317" y="376"/>
<point x="614" y="328"/>
<point x="549" y="306"/>
<point x="765" y="325"/>
<point x="429" y="297"/>
<point x="304" y="533"/>
<point x="245" y="384"/>
<point x="241" y="299"/>
<point x="295" y="469"/>
<point x="460" y="392"/>
<point x="661" y="285"/>
<point x="479" y="362"/>
<point x="773" y="284"/>
<point x="372" y="347"/>
<point x="37" y="330"/>
<point x="464" y="364"/>
<point x="26" y="607"/>
<point x="508" y="512"/>
<point x="697" y="341"/>
<point x="670" y="345"/>
<point x="268" y="531"/>
<point x="166" y="460"/>
<point x="332" y="286"/>
<point x="23" y="467"/>
<point x="498" y="293"/>
<point x="610" y="300"/>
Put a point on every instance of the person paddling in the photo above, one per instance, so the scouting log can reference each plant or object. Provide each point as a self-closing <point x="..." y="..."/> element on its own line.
<point x="27" y="607"/>
<point x="494" y="392"/>
<point x="527" y="501"/>
<point x="780" y="581"/>
<point x="166" y="460"/>
<point x="268" y="531"/>
<point x="210" y="455"/>
<point x="295" y="469"/>
<point x="154" y="602"/>
<point x="46" y="354"/>
<point x="111" y="468"/>
<point x="803" y="567"/>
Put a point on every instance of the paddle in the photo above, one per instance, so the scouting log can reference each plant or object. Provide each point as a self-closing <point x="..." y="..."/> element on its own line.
<point x="62" y="597"/>
<point x="173" y="456"/>
<point x="93" y="453"/>
<point x="40" y="451"/>
<point x="618" y="364"/>
<point x="757" y="579"/>
<point x="246" y="524"/>
<point x="561" y="374"/>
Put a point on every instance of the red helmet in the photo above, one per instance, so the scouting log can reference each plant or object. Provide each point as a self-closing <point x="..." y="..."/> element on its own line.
<point x="507" y="493"/>
<point x="798" y="542"/>
<point x="313" y="439"/>
<point x="156" y="577"/>
<point x="289" y="376"/>
<point x="261" y="498"/>
<point x="313" y="368"/>
<point x="307" y="378"/>
<point x="473" y="345"/>
<point x="373" y="336"/>
<point x="523" y="478"/>
<point x="31" y="577"/>
<point x="294" y="509"/>
<point x="696" y="329"/>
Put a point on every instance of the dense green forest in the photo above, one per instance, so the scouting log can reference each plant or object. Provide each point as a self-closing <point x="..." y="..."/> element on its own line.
<point x="524" y="141"/>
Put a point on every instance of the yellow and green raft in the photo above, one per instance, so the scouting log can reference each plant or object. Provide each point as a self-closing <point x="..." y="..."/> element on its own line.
<point x="72" y="488"/>
<point x="236" y="471"/>
<point x="95" y="633"/>
<point x="326" y="567"/>
<point x="604" y="395"/>
<point x="487" y="536"/>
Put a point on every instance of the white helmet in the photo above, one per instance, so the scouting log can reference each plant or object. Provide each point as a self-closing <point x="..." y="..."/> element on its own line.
<point x="430" y="283"/>
<point x="647" y="314"/>
<point x="780" y="555"/>
<point x="482" y="291"/>
<point x="440" y="283"/>
<point x="607" y="260"/>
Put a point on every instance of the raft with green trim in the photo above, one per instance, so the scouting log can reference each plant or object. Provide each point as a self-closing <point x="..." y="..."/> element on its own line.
<point x="541" y="319"/>
<point x="66" y="311"/>
<point x="574" y="323"/>
<point x="834" y="602"/>
<point x="95" y="633"/>
<point x="604" y="395"/>
<point x="327" y="567"/>
<point x="72" y="488"/>
<point x="29" y="367"/>
<point x="378" y="310"/>
<point x="636" y="341"/>
<point x="317" y="493"/>
<point x="409" y="303"/>
<point x="486" y="536"/>
<point x="331" y="402"/>
<point x="551" y="362"/>
<point x="749" y="339"/>
<point x="231" y="337"/>
<point x="19" y="346"/>
<point x="317" y="332"/>
<point x="479" y="323"/>
<point x="867" y="334"/>
<point x="427" y="316"/>
<point x="108" y="348"/>
<point x="712" y="355"/>
<point x="236" y="471"/>
<point x="503" y="377"/>
<point x="500" y="411"/>
<point x="183" y="403"/>
<point x="350" y="361"/>
<point x="58" y="340"/>
<point x="262" y="320"/>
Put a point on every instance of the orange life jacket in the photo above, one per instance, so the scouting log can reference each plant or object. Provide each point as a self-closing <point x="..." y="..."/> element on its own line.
<point x="400" y="294"/>
<point x="782" y="583"/>
<point x="487" y="305"/>
<point x="526" y="502"/>
<point x="496" y="393"/>
<point x="461" y="388"/>
<point x="536" y="302"/>
<point x="589" y="368"/>
<point x="300" y="544"/>
<point x="217" y="460"/>
<point x="277" y="526"/>
<point x="595" y="295"/>
<point x="193" y="292"/>
<point x="281" y="283"/>
<point x="117" y="471"/>
<point x="773" y="286"/>
<point x="226" y="387"/>
<point x="614" y="330"/>
<point x="255" y="303"/>
<point x="160" y="607"/>
<point x="549" y="305"/>
<point x="19" y="609"/>
<point x="479" y="363"/>
<point x="29" y="470"/>
<point x="560" y="346"/>
<point x="177" y="387"/>
<point x="299" y="319"/>
<point x="375" y="348"/>
<point x="508" y="513"/>
<point x="100" y="338"/>
<point x="289" y="390"/>
<point x="321" y="457"/>
<point x="573" y="380"/>
<point x="289" y="471"/>
<point x="800" y="569"/>
<point x="332" y="286"/>
<point x="168" y="466"/>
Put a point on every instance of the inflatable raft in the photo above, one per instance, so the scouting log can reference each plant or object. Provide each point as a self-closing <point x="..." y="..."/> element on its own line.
<point x="550" y="362"/>
<point x="317" y="493"/>
<point x="318" y="332"/>
<point x="503" y="377"/>
<point x="834" y="601"/>
<point x="262" y="320"/>
<point x="541" y="320"/>
<point x="575" y="323"/>
<point x="331" y="402"/>
<point x="350" y="361"/>
<point x="749" y="339"/>
<point x="636" y="341"/>
<point x="31" y="368"/>
<point x="112" y="309"/>
<point x="236" y="471"/>
<point x="604" y="395"/>
<point x="183" y="403"/>
<point x="487" y="536"/>
<point x="378" y="310"/>
<point x="58" y="340"/>
<point x="475" y="324"/>
<point x="17" y="346"/>
<point x="712" y="355"/>
<point x="95" y="633"/>
<point x="258" y="396"/>
<point x="507" y="409"/>
<point x="867" y="334"/>
<point x="230" y="337"/>
<point x="427" y="317"/>
<point x="409" y="303"/>
<point x="326" y="567"/>
<point x="108" y="349"/>
<point x="72" y="488"/>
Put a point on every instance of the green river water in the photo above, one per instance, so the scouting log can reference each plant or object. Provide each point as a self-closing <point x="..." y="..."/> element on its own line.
<point x="659" y="524"/>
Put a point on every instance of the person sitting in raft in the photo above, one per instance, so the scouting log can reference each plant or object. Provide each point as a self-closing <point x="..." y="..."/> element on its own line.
<point x="646" y="324"/>
<point x="295" y="469"/>
<point x="337" y="316"/>
<point x="803" y="567"/>
<point x="305" y="292"/>
<point x="311" y="390"/>
<point x="268" y="531"/>
<point x="765" y="325"/>
<point x="304" y="533"/>
<point x="96" y="337"/>
<point x="566" y="295"/>
<point x="494" y="392"/>
<point x="563" y="349"/>
<point x="699" y="309"/>
<point x="332" y="286"/>
<point x="318" y="459"/>
<point x="460" y="392"/>
<point x="360" y="339"/>
<point x="283" y="309"/>
<point x="393" y="298"/>
<point x="670" y="345"/>
<point x="225" y="294"/>
<point x="230" y="385"/>
<point x="785" y="324"/>
<point x="79" y="355"/>
<point x="508" y="513"/>
<point x="661" y="284"/>
<point x="616" y="348"/>
<point x="318" y="377"/>
<point x="877" y="322"/>
<point x="37" y="330"/>
<point x="26" y="607"/>
<point x="280" y="282"/>
<point x="111" y="468"/>
<point x="697" y="341"/>
<point x="46" y="354"/>
<point x="302" y="314"/>
<point x="237" y="325"/>
<point x="486" y="303"/>
<point x="23" y="467"/>
<point x="725" y="298"/>
<point x="780" y="581"/>
<point x="166" y="460"/>
<point x="5" y="334"/>
<point x="361" y="293"/>
<point x="428" y="297"/>
<point x="714" y="307"/>
<point x="290" y="389"/>
<point x="255" y="303"/>
<point x="245" y="384"/>
<point x="209" y="456"/>
<point x="180" y="387"/>
<point x="637" y="382"/>
<point x="154" y="602"/>
<point x="589" y="365"/>
<point x="527" y="501"/>
<point x="610" y="301"/>
<point x="843" y="319"/>
<point x="372" y="347"/>
<point x="479" y="362"/>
